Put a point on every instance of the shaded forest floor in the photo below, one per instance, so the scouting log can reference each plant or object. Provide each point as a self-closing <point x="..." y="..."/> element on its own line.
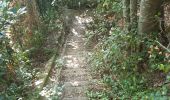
<point x="75" y="76"/>
<point x="84" y="50"/>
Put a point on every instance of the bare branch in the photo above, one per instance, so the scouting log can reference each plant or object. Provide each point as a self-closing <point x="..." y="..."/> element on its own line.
<point x="162" y="46"/>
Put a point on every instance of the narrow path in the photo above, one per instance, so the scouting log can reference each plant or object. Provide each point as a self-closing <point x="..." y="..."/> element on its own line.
<point x="75" y="75"/>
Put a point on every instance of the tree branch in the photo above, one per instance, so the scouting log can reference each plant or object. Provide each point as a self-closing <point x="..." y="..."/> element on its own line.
<point x="162" y="46"/>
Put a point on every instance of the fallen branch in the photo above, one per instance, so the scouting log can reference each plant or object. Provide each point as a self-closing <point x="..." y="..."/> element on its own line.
<point x="162" y="46"/>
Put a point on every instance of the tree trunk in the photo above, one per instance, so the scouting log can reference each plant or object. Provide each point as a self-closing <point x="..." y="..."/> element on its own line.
<point x="33" y="14"/>
<point x="167" y="20"/>
<point x="133" y="14"/>
<point x="147" y="20"/>
<point x="148" y="23"/>
<point x="126" y="15"/>
<point x="163" y="36"/>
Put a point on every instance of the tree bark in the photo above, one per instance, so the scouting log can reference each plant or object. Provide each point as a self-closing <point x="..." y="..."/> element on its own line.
<point x="126" y="15"/>
<point x="33" y="14"/>
<point x="167" y="21"/>
<point x="147" y="21"/>
<point x="133" y="14"/>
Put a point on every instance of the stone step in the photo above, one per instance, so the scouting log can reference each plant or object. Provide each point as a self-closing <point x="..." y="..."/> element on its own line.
<point x="74" y="71"/>
<point x="67" y="66"/>
<point x="71" y="66"/>
<point x="75" y="74"/>
<point x="75" y="46"/>
<point x="76" y="83"/>
<point x="74" y="62"/>
<point x="74" y="52"/>
<point x="72" y="42"/>
<point x="70" y="57"/>
<point x="76" y="98"/>
<point x="75" y="77"/>
<point x="70" y="92"/>
<point x="82" y="83"/>
<point x="76" y="40"/>
<point x="69" y="74"/>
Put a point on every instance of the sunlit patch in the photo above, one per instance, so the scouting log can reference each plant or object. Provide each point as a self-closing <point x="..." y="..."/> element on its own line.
<point x="68" y="56"/>
<point x="74" y="44"/>
<point x="72" y="62"/>
<point x="82" y="20"/>
<point x="52" y="79"/>
<point x="72" y="65"/>
<point x="49" y="92"/>
<point x="79" y="19"/>
<point x="75" y="83"/>
<point x="38" y="82"/>
<point x="69" y="61"/>
<point x="75" y="55"/>
<point x="74" y="32"/>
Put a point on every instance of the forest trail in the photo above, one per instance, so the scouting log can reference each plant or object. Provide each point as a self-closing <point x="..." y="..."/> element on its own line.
<point x="75" y="74"/>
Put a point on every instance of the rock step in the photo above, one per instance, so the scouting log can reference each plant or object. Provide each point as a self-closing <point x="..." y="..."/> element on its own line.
<point x="74" y="71"/>
<point x="76" y="83"/>
<point x="76" y="98"/>
<point x="82" y="83"/>
<point x="73" y="43"/>
<point x="76" y="63"/>
<point x="74" y="66"/>
<point x="70" y="92"/>
<point x="73" y="50"/>
<point x="77" y="47"/>
<point x="75" y="77"/>
<point x="73" y="57"/>
<point x="75" y="53"/>
<point x="76" y="40"/>
<point x="74" y="60"/>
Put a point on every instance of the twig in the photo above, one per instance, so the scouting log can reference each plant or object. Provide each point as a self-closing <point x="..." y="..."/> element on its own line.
<point x="168" y="50"/>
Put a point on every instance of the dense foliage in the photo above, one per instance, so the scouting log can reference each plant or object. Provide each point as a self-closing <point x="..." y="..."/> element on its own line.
<point x="117" y="58"/>
<point x="132" y="61"/>
<point x="23" y="47"/>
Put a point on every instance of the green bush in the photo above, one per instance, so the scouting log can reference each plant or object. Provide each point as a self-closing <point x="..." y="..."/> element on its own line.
<point x="117" y="56"/>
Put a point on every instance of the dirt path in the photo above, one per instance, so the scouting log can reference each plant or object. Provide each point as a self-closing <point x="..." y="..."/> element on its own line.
<point x="75" y="75"/>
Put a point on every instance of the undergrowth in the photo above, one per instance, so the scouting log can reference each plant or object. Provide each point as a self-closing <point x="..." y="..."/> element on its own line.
<point x="23" y="50"/>
<point x="119" y="70"/>
<point x="117" y="57"/>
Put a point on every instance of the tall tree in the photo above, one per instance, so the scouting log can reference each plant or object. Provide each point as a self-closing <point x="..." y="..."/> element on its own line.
<point x="133" y="14"/>
<point x="147" y="20"/>
<point x="126" y="14"/>
<point x="167" y="17"/>
<point x="148" y="23"/>
<point x="33" y="14"/>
